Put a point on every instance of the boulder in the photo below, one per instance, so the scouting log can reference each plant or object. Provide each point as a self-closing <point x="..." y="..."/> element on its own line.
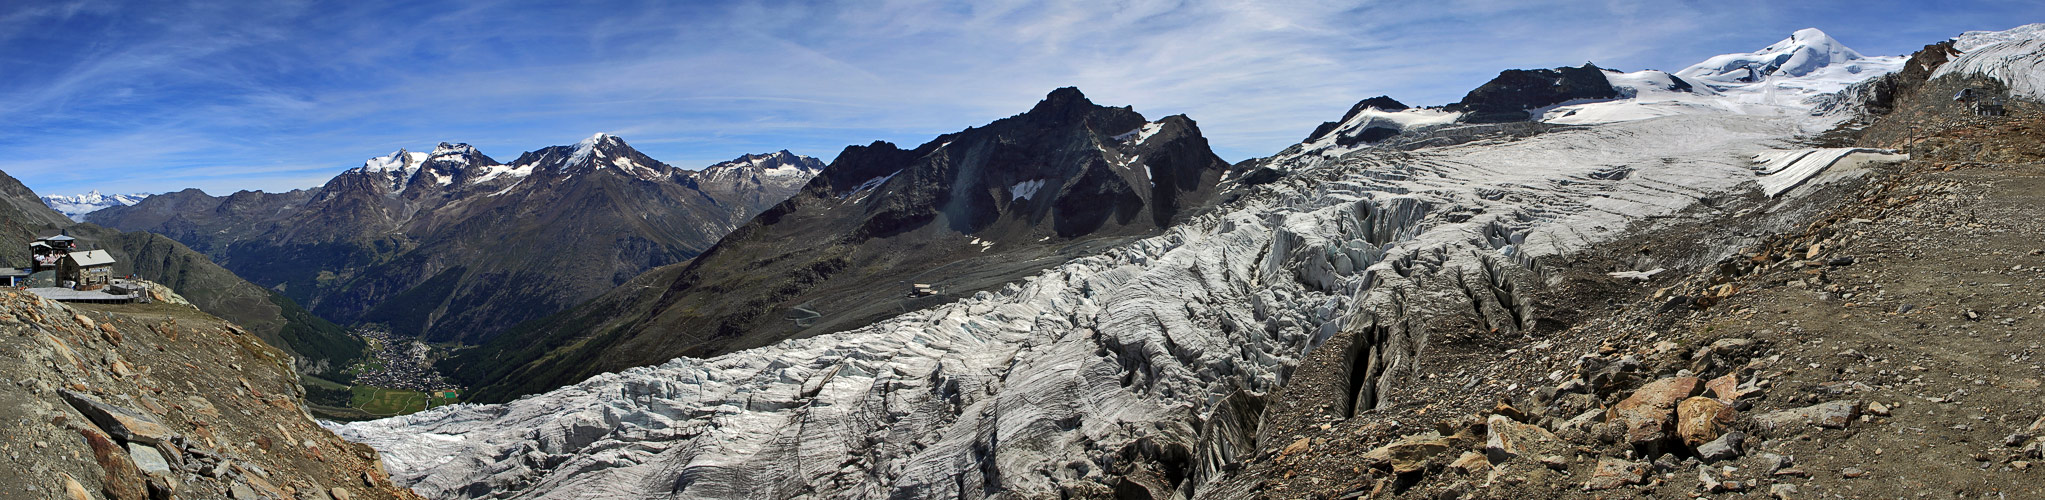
<point x="239" y="491"/>
<point x="1648" y="413"/>
<point x="1506" y="438"/>
<point x="1700" y="420"/>
<point x="1726" y="447"/>
<point x="1607" y="376"/>
<point x="1471" y="462"/>
<point x="128" y="425"/>
<point x="1410" y="454"/>
<point x="1727" y="388"/>
<point x="1614" y="473"/>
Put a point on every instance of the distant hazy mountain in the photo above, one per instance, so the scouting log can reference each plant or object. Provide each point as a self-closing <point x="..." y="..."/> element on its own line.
<point x="453" y="245"/>
<point x="965" y="212"/>
<point x="77" y="205"/>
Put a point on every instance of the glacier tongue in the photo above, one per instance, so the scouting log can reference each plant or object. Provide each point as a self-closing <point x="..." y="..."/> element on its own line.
<point x="1139" y="363"/>
<point x="2015" y="56"/>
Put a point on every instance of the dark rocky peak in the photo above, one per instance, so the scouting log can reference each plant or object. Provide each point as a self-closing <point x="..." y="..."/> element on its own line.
<point x="858" y="165"/>
<point x="1060" y="101"/>
<point x="1067" y="105"/>
<point x="1381" y="103"/>
<point x="242" y="200"/>
<point x="1508" y="97"/>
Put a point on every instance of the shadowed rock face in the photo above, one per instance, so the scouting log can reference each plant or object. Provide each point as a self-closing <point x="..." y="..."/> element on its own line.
<point x="453" y="245"/>
<point x="964" y="212"/>
<point x="1508" y="97"/>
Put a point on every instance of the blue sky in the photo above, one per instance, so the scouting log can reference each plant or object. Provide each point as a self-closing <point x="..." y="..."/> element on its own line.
<point x="279" y="94"/>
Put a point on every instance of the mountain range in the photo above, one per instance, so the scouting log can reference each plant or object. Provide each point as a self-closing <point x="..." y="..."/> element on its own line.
<point x="452" y="245"/>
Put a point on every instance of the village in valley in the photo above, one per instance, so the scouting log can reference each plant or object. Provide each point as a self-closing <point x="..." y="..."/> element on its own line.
<point x="400" y="364"/>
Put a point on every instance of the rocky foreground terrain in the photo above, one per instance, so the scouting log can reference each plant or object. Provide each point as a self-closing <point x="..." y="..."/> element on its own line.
<point x="158" y="401"/>
<point x="1874" y="339"/>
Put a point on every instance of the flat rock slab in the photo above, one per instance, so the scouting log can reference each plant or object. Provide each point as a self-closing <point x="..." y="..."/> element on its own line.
<point x="1834" y="415"/>
<point x="148" y="459"/>
<point x="125" y="424"/>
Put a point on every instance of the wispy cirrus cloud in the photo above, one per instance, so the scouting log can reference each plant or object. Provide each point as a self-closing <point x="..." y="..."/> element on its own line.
<point x="130" y="96"/>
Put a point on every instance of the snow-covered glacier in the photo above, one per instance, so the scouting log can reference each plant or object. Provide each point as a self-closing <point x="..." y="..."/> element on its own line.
<point x="1069" y="379"/>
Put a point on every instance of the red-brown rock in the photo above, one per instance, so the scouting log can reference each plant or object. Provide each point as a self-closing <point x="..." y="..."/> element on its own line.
<point x="123" y="480"/>
<point x="1649" y="413"/>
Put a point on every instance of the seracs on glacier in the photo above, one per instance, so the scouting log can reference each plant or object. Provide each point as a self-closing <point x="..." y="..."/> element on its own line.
<point x="1125" y="355"/>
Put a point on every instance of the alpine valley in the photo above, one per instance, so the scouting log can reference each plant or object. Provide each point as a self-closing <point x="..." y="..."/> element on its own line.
<point x="1797" y="272"/>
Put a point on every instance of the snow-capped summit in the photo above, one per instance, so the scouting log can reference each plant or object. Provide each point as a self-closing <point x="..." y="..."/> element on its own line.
<point x="395" y="168"/>
<point x="598" y="152"/>
<point x="588" y="146"/>
<point x="77" y="205"/>
<point x="402" y="169"/>
<point x="1785" y="78"/>
<point x="400" y="161"/>
<point x="1822" y="63"/>
<point x="453" y="152"/>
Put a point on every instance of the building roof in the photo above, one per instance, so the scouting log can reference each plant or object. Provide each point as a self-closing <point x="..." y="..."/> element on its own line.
<point x="92" y="258"/>
<point x="11" y="271"/>
<point x="39" y="243"/>
<point x="60" y="237"/>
